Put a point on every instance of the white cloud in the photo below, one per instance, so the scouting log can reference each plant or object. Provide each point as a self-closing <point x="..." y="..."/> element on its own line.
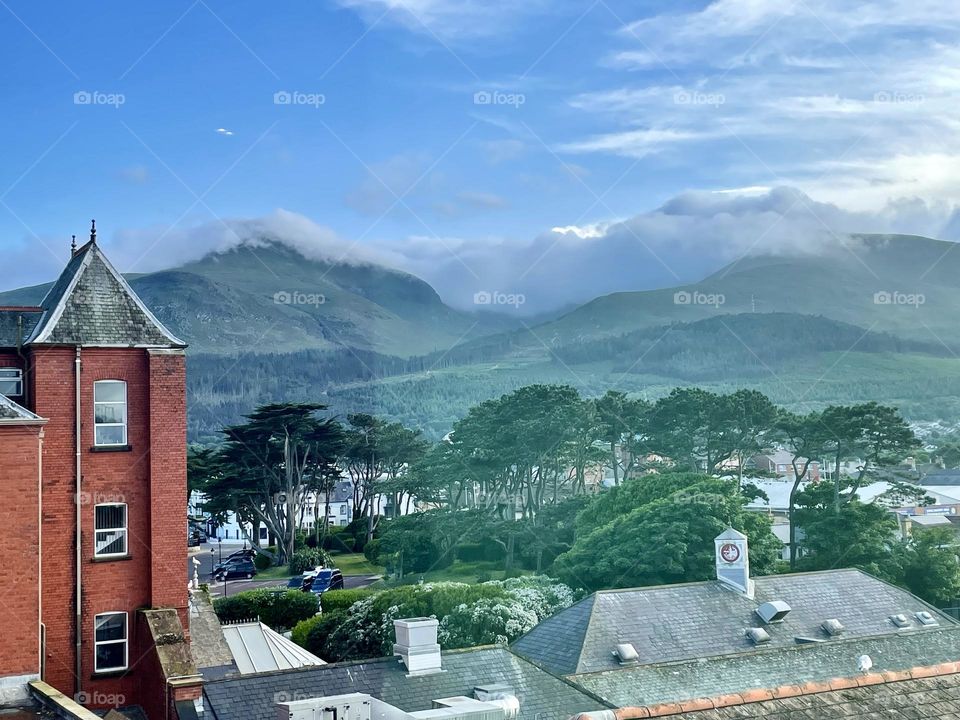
<point x="686" y="238"/>
<point x="447" y="19"/>
<point x="842" y="99"/>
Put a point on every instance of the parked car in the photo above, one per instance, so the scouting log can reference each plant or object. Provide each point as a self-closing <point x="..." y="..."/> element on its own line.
<point x="193" y="538"/>
<point x="325" y="579"/>
<point x="297" y="582"/>
<point x="234" y="568"/>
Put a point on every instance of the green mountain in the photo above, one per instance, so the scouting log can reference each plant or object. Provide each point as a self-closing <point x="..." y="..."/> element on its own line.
<point x="902" y="284"/>
<point x="266" y="297"/>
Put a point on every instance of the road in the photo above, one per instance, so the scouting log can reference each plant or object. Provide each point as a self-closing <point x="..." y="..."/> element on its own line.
<point x="231" y="587"/>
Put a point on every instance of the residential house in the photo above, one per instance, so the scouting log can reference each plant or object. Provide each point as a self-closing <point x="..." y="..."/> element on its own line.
<point x="93" y="457"/>
<point x="780" y="463"/>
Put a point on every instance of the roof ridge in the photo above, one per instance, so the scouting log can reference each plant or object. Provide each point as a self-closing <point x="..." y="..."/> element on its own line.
<point x="757" y="695"/>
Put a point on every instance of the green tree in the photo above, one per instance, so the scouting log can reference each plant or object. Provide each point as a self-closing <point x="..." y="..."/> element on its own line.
<point x="668" y="538"/>
<point x="929" y="565"/>
<point x="862" y="535"/>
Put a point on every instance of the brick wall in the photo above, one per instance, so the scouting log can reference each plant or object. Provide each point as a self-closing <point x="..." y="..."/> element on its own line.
<point x="149" y="477"/>
<point x="20" y="602"/>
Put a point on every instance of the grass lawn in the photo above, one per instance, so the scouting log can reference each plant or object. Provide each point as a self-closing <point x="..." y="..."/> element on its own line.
<point x="355" y="564"/>
<point x="464" y="572"/>
<point x="279" y="572"/>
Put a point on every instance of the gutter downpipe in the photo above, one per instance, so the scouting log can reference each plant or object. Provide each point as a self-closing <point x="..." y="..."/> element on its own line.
<point x="79" y="596"/>
<point x="41" y="630"/>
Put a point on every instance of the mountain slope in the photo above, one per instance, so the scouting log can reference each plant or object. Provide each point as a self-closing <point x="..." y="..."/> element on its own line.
<point x="266" y="297"/>
<point x="919" y="277"/>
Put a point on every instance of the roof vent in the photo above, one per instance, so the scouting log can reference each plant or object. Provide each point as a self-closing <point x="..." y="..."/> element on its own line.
<point x="417" y="645"/>
<point x="801" y="640"/>
<point x="626" y="654"/>
<point x="900" y="620"/>
<point x="832" y="627"/>
<point x="773" y="612"/>
<point x="926" y="618"/>
<point x="501" y="696"/>
<point x="758" y="636"/>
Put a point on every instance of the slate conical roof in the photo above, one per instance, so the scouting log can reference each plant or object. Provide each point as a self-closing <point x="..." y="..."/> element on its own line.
<point x="92" y="304"/>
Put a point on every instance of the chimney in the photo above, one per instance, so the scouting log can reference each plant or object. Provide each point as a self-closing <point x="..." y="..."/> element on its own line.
<point x="417" y="645"/>
<point x="733" y="561"/>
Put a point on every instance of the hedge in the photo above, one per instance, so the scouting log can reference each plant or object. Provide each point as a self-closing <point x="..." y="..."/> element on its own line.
<point x="312" y="634"/>
<point x="479" y="552"/>
<point x="334" y="600"/>
<point x="280" y="610"/>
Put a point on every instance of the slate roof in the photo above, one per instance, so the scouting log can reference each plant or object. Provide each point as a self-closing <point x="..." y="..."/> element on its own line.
<point x="542" y="696"/>
<point x="770" y="668"/>
<point x="941" y="477"/>
<point x="11" y="413"/>
<point x="10" y="328"/>
<point x="699" y="620"/>
<point x="92" y="304"/>
<point x="915" y="697"/>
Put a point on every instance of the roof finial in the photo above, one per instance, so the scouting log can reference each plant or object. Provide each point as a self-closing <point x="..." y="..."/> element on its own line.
<point x="73" y="244"/>
<point x="93" y="231"/>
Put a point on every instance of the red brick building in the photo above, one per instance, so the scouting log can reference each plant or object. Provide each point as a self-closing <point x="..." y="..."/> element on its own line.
<point x="93" y="459"/>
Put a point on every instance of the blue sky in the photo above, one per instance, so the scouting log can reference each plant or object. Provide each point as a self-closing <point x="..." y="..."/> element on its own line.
<point x="640" y="128"/>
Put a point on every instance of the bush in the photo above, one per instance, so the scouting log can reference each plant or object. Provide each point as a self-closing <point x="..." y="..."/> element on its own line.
<point x="479" y="552"/>
<point x="281" y="610"/>
<point x="307" y="559"/>
<point x="264" y="562"/>
<point x="334" y="600"/>
<point x="336" y="540"/>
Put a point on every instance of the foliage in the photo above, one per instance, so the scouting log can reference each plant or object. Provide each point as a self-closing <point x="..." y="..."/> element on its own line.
<point x="929" y="566"/>
<point x="860" y="535"/>
<point x="487" y="612"/>
<point x="342" y="599"/>
<point x="309" y="558"/>
<point x="414" y="543"/>
<point x="666" y="536"/>
<point x="263" y="561"/>
<point x="312" y="633"/>
<point x="280" y="610"/>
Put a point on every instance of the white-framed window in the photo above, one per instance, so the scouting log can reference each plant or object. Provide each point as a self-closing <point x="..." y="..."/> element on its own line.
<point x="110" y="642"/>
<point x="110" y="412"/>
<point x="11" y="382"/>
<point x="343" y="509"/>
<point x="110" y="530"/>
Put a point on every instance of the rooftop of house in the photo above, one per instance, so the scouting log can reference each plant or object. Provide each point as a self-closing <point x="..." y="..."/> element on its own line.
<point x="89" y="304"/>
<point x="11" y="413"/>
<point x="941" y="476"/>
<point x="768" y="668"/>
<point x="542" y="695"/>
<point x="17" y="324"/>
<point x="927" y="692"/>
<point x="677" y="623"/>
<point x="778" y="493"/>
<point x="256" y="648"/>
